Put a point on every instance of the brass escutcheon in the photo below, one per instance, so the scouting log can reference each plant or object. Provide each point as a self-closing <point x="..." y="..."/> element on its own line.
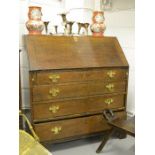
<point x="56" y="130"/>
<point x="54" y="77"/>
<point x="54" y="109"/>
<point x="75" y="39"/>
<point x="33" y="79"/>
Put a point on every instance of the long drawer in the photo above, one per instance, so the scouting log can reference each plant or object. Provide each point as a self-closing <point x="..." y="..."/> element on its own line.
<point x="72" y="127"/>
<point x="49" y="92"/>
<point x="43" y="111"/>
<point x="51" y="77"/>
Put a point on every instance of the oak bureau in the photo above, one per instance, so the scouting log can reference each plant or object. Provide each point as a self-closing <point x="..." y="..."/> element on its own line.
<point x="72" y="80"/>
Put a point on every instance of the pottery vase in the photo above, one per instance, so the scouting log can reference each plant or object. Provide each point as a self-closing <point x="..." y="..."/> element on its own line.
<point x="98" y="27"/>
<point x="35" y="25"/>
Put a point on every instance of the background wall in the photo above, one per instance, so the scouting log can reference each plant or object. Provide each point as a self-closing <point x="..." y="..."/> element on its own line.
<point x="120" y="22"/>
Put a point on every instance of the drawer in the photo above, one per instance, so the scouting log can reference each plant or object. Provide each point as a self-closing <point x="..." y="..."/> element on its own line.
<point x="43" y="111"/>
<point x="72" y="127"/>
<point x="50" y="92"/>
<point x="74" y="76"/>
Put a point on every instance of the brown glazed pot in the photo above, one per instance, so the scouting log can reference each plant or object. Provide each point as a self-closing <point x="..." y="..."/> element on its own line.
<point x="35" y="25"/>
<point x="98" y="27"/>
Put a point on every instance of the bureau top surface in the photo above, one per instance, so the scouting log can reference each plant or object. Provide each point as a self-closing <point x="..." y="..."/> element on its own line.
<point x="68" y="52"/>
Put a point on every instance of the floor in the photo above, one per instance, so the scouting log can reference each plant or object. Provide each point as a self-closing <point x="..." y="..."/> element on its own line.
<point x="88" y="147"/>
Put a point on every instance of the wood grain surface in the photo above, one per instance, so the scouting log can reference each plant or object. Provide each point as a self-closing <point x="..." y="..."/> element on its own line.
<point x="55" y="52"/>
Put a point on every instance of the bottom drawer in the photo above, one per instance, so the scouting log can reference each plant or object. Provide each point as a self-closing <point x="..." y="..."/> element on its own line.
<point x="72" y="127"/>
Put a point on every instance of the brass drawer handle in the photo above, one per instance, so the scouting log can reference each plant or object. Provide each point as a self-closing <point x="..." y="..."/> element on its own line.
<point x="111" y="74"/>
<point x="54" y="109"/>
<point x="110" y="87"/>
<point x="56" y="130"/>
<point x="54" y="91"/>
<point x="109" y="101"/>
<point x="54" y="77"/>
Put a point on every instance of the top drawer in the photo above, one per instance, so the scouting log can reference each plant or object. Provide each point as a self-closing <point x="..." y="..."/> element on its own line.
<point x="53" y="77"/>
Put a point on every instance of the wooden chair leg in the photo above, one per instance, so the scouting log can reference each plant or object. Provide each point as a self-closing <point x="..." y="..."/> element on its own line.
<point x="104" y="141"/>
<point x="122" y="135"/>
